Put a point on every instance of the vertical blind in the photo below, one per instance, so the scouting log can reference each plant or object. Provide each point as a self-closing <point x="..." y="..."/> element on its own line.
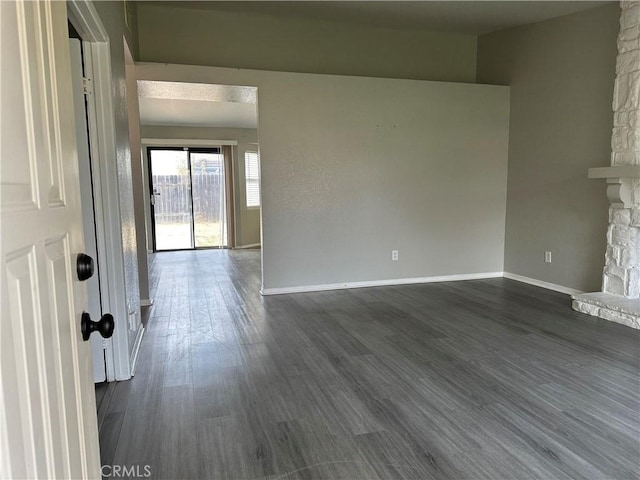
<point x="252" y="176"/>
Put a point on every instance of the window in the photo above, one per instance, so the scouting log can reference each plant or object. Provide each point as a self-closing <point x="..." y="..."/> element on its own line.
<point x="252" y="176"/>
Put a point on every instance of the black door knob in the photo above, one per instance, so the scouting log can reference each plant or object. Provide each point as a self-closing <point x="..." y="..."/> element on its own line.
<point x="104" y="326"/>
<point x="84" y="266"/>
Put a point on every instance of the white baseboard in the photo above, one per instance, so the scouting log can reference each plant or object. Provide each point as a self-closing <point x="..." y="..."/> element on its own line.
<point x="251" y="245"/>
<point x="379" y="283"/>
<point x="540" y="283"/>
<point x="146" y="303"/>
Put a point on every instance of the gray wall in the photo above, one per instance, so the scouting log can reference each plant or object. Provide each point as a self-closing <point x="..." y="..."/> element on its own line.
<point x="561" y="74"/>
<point x="247" y="220"/>
<point x="112" y="16"/>
<point x="354" y="167"/>
<point x="137" y="175"/>
<point x="169" y="34"/>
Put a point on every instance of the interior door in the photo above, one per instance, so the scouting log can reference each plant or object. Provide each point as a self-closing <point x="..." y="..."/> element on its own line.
<point x="94" y="305"/>
<point x="48" y="425"/>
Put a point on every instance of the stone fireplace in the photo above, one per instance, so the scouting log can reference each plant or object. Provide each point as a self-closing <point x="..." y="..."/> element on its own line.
<point x="619" y="300"/>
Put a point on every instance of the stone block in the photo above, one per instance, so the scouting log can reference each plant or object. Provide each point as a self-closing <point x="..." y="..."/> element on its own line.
<point x="629" y="39"/>
<point x="625" y="158"/>
<point x="627" y="118"/>
<point x="620" y="119"/>
<point x="620" y="216"/>
<point x="619" y="317"/>
<point x="584" y="307"/>
<point x="616" y="271"/>
<point x="627" y="62"/>
<point x="632" y="283"/>
<point x="627" y="90"/>
<point x="613" y="285"/>
<point x="635" y="217"/>
<point x="635" y="191"/>
<point x="629" y="14"/>
<point x="614" y="280"/>
<point x="625" y="139"/>
<point x="619" y="140"/>
<point x="634" y="237"/>
<point x="623" y="236"/>
<point x="628" y="257"/>
<point x="612" y="256"/>
<point x="619" y="235"/>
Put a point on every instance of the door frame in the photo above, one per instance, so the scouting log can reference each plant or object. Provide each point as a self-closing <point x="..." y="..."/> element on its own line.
<point x="97" y="52"/>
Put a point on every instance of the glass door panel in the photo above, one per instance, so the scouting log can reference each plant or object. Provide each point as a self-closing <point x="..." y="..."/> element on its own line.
<point x="171" y="194"/>
<point x="209" y="198"/>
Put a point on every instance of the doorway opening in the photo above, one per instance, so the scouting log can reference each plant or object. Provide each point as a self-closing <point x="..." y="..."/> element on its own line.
<point x="200" y="145"/>
<point x="189" y="192"/>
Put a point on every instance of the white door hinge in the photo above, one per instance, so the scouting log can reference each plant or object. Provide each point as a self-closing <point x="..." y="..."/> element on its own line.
<point x="87" y="86"/>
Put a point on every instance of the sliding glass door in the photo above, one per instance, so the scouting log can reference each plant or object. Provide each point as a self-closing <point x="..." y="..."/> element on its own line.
<point x="209" y="206"/>
<point x="171" y="199"/>
<point x="188" y="198"/>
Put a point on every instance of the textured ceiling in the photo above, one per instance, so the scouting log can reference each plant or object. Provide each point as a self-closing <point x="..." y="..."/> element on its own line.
<point x="196" y="91"/>
<point x="197" y="104"/>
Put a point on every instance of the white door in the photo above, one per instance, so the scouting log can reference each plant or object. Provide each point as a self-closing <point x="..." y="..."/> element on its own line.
<point x="48" y="425"/>
<point x="94" y="306"/>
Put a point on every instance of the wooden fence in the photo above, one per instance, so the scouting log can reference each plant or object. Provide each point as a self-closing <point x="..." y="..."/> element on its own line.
<point x="173" y="204"/>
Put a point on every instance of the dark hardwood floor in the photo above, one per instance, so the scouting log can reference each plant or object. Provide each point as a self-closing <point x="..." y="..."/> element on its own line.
<point x="487" y="379"/>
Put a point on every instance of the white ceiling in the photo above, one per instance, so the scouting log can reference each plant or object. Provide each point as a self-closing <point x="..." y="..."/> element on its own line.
<point x="192" y="113"/>
<point x="197" y="105"/>
<point x="471" y="17"/>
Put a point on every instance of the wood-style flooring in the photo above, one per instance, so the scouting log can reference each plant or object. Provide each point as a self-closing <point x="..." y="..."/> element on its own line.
<point x="486" y="379"/>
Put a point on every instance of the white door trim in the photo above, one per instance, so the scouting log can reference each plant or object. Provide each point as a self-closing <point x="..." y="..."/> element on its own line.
<point x="178" y="142"/>
<point x="96" y="46"/>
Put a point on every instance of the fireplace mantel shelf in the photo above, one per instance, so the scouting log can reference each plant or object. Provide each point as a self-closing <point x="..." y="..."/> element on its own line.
<point x="620" y="180"/>
<point x="619" y="171"/>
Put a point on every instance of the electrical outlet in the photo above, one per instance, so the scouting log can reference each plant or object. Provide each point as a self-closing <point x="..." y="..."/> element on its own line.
<point x="394" y="255"/>
<point x="547" y="257"/>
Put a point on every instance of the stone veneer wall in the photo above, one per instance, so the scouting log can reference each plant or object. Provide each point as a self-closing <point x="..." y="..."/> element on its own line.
<point x="622" y="268"/>
<point x="619" y="300"/>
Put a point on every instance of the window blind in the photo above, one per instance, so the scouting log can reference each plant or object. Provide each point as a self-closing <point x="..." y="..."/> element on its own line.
<point x="252" y="177"/>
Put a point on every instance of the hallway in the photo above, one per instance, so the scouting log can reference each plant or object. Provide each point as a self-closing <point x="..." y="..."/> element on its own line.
<point x="477" y="379"/>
